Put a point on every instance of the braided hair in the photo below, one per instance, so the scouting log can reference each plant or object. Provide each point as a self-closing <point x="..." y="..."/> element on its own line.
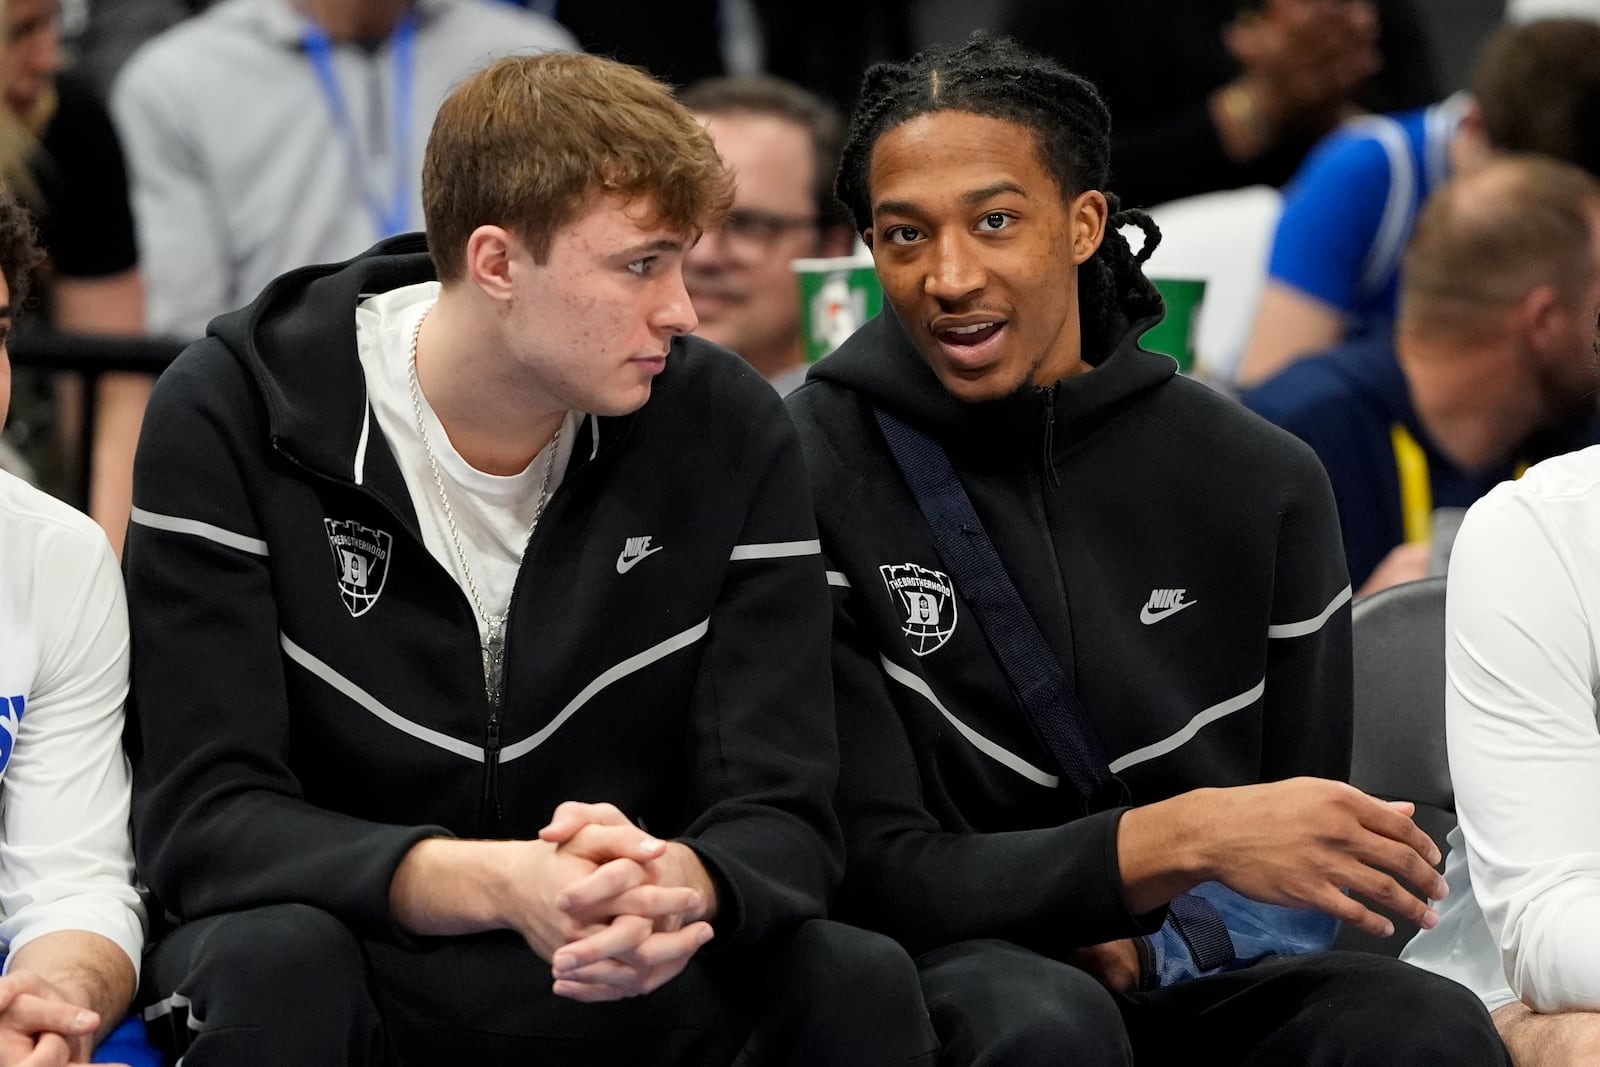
<point x="994" y="77"/>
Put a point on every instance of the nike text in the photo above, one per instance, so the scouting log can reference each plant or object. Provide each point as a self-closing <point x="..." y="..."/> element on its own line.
<point x="1162" y="603"/>
<point x="634" y="550"/>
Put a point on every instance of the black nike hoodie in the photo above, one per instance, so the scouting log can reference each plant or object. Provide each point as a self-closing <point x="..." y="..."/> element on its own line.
<point x="1180" y="554"/>
<point x="309" y="697"/>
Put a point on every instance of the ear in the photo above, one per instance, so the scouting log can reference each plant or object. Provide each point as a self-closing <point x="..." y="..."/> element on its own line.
<point x="1087" y="221"/>
<point x="491" y="251"/>
<point x="1544" y="320"/>
<point x="1470" y="148"/>
<point x="866" y="238"/>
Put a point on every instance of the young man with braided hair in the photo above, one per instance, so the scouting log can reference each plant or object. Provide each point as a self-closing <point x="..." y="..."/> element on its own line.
<point x="452" y="568"/>
<point x="1178" y="556"/>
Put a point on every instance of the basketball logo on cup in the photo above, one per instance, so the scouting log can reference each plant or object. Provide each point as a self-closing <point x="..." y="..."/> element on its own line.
<point x="927" y="600"/>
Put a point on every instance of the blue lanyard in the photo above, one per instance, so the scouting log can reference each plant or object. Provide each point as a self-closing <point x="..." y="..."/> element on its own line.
<point x="394" y="217"/>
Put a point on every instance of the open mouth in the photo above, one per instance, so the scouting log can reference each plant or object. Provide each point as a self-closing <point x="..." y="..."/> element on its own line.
<point x="969" y="336"/>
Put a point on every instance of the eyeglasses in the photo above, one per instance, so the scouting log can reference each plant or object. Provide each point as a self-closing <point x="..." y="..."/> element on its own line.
<point x="756" y="232"/>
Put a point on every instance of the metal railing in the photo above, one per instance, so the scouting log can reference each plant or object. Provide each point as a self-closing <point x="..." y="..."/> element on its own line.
<point x="89" y="357"/>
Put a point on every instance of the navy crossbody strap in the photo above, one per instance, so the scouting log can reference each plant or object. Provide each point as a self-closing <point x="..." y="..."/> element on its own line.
<point x="1035" y="673"/>
<point x="964" y="545"/>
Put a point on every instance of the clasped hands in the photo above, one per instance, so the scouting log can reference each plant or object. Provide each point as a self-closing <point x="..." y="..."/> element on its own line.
<point x="40" y="1025"/>
<point x="618" y="913"/>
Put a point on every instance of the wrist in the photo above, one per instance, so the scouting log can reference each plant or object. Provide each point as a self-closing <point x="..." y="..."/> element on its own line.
<point x="444" y="886"/>
<point x="1163" y="849"/>
<point x="1194" y="856"/>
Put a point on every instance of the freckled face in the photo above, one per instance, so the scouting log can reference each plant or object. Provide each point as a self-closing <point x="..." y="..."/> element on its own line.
<point x="593" y="323"/>
<point x="978" y="248"/>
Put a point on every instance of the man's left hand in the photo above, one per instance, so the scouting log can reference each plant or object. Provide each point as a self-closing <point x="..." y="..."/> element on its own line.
<point x="40" y="1026"/>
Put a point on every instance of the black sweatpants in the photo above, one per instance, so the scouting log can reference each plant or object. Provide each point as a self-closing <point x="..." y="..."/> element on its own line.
<point x="994" y="1003"/>
<point x="292" y="985"/>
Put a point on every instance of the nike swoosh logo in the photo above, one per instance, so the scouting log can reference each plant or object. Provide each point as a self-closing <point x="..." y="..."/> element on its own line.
<point x="624" y="564"/>
<point x="1148" y="617"/>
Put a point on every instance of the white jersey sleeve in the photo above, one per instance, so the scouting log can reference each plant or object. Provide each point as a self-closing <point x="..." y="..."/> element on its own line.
<point x="66" y="859"/>
<point x="1523" y="665"/>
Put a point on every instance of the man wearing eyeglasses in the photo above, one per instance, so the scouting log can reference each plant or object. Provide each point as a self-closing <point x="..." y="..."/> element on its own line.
<point x="782" y="144"/>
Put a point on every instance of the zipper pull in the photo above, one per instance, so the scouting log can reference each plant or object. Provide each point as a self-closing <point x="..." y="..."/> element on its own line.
<point x="489" y="809"/>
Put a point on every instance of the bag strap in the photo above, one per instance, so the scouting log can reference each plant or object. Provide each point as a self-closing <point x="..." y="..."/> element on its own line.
<point x="1047" y="698"/>
<point x="1031" y="665"/>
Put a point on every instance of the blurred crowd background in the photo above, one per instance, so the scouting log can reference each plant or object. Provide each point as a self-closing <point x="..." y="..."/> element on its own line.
<point x="178" y="154"/>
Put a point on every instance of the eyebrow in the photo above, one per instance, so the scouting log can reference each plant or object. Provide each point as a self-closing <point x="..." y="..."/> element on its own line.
<point x="660" y="244"/>
<point x="978" y="196"/>
<point x="968" y="199"/>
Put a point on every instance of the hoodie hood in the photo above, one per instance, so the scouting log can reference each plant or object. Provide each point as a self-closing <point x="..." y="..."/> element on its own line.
<point x="880" y="363"/>
<point x="309" y="374"/>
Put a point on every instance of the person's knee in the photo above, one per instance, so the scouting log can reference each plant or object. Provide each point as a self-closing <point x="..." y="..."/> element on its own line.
<point x="1416" y="1016"/>
<point x="277" y="959"/>
<point x="845" y="996"/>
<point x="852" y="964"/>
<point x="993" y="1002"/>
<point x="281" y="984"/>
<point x="1558" y="1040"/>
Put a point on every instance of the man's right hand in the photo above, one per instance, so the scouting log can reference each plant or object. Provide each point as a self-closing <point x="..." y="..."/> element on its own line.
<point x="445" y="887"/>
<point x="615" y="929"/>
<point x="1298" y="843"/>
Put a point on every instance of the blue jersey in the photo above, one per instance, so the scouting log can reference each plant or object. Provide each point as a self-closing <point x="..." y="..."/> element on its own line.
<point x="1349" y="211"/>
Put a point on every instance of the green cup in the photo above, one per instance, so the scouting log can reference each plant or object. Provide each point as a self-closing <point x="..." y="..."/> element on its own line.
<point x="836" y="297"/>
<point x="1174" y="334"/>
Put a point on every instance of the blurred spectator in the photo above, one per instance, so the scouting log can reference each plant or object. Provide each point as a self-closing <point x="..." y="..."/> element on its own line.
<point x="76" y="182"/>
<point x="72" y="927"/>
<point x="681" y="42"/>
<point x="113" y="29"/>
<point x="782" y="144"/>
<point x="1224" y="93"/>
<point x="339" y="94"/>
<point x="1494" y="348"/>
<point x="1335" y="259"/>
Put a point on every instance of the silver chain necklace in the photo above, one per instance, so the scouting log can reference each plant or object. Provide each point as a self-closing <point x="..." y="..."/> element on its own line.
<point x="494" y="645"/>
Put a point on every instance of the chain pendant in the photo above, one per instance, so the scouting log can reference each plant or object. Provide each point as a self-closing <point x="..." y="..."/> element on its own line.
<point x="494" y="646"/>
<point x="494" y="660"/>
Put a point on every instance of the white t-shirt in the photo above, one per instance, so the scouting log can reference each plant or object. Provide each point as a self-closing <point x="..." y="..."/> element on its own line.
<point x="66" y="861"/>
<point x="1522" y="659"/>
<point x="492" y="512"/>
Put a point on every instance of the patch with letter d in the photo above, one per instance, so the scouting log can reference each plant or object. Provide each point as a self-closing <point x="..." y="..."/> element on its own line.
<point x="927" y="602"/>
<point x="361" y="557"/>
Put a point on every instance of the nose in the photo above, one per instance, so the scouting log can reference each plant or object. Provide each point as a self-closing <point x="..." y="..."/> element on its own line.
<point x="674" y="314"/>
<point x="955" y="273"/>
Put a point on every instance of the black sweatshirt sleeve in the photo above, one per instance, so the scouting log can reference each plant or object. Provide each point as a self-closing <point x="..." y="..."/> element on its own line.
<point x="764" y="752"/>
<point x="1310" y="685"/>
<point x="220" y="820"/>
